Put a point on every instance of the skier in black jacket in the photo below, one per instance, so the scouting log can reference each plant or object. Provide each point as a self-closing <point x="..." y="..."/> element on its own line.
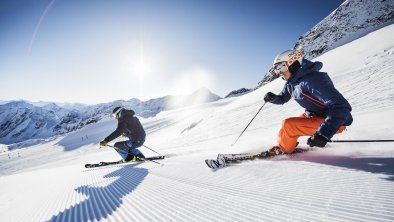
<point x="129" y="126"/>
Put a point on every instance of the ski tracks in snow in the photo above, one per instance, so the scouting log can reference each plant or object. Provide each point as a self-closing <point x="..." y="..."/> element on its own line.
<point x="264" y="193"/>
<point x="310" y="187"/>
<point x="191" y="192"/>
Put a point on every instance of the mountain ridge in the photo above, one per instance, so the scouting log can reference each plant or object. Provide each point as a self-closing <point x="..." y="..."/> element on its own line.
<point x="22" y="120"/>
<point x="353" y="19"/>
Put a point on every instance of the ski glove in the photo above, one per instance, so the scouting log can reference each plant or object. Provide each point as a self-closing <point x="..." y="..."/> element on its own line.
<point x="103" y="143"/>
<point x="317" y="140"/>
<point x="269" y="97"/>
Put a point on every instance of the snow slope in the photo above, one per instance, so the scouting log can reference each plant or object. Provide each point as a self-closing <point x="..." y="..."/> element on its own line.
<point x="343" y="182"/>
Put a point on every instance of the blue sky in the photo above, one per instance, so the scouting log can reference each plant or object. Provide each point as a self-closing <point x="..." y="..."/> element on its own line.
<point x="97" y="51"/>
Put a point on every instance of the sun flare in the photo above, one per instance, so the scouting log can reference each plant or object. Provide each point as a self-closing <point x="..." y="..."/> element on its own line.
<point x="191" y="80"/>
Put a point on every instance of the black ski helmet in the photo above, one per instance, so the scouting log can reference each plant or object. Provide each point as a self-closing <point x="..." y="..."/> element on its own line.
<point x="116" y="111"/>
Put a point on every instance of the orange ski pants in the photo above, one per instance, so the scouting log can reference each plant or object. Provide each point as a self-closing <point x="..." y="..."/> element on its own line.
<point x="294" y="127"/>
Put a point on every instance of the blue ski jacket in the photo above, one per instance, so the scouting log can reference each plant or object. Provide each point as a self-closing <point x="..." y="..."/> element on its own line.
<point x="315" y="91"/>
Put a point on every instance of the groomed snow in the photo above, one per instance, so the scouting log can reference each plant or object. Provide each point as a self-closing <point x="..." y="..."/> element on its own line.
<point x="343" y="182"/>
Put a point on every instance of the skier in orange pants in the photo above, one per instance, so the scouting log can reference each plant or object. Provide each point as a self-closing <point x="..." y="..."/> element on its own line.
<point x="327" y="112"/>
<point x="294" y="127"/>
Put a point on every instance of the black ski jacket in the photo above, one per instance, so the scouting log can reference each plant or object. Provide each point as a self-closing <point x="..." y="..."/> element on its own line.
<point x="129" y="126"/>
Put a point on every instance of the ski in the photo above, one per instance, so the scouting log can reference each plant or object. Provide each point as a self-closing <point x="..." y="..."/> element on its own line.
<point x="218" y="163"/>
<point x="93" y="165"/>
<point x="225" y="159"/>
<point x="101" y="164"/>
<point x="155" y="158"/>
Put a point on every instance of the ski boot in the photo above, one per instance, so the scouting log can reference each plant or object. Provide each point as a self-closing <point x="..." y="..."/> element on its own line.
<point x="132" y="158"/>
<point x="140" y="157"/>
<point x="274" y="151"/>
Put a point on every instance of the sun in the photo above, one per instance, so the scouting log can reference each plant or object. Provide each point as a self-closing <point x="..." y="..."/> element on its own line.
<point x="141" y="69"/>
<point x="141" y="66"/>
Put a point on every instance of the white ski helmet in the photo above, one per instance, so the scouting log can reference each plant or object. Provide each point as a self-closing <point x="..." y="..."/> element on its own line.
<point x="288" y="60"/>
<point x="289" y="56"/>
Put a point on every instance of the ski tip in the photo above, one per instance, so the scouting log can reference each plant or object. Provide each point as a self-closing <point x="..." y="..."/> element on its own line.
<point x="207" y="162"/>
<point x="155" y="158"/>
<point x="215" y="164"/>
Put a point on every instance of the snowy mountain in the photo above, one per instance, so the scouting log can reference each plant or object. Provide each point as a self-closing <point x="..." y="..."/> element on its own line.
<point x="238" y="92"/>
<point x="342" y="182"/>
<point x="3" y="102"/>
<point x="152" y="107"/>
<point x="351" y="20"/>
<point x="21" y="120"/>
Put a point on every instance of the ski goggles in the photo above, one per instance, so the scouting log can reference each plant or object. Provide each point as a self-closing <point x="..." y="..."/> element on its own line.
<point x="279" y="68"/>
<point x="115" y="114"/>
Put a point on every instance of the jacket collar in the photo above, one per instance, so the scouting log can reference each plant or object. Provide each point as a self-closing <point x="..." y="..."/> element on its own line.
<point x="306" y="68"/>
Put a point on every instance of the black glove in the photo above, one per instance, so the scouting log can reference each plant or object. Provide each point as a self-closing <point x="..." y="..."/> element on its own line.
<point x="269" y="97"/>
<point x="317" y="140"/>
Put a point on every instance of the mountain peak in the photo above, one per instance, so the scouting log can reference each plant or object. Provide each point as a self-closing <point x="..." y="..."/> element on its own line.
<point x="18" y="104"/>
<point x="351" y="20"/>
<point x="205" y="90"/>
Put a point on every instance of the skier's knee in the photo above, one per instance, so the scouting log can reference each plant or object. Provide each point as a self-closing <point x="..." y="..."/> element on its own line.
<point x="118" y="145"/>
<point x="287" y="123"/>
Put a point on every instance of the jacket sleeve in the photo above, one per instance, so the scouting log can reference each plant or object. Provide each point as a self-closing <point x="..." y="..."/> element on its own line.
<point x="338" y="107"/>
<point x="118" y="132"/>
<point x="283" y="97"/>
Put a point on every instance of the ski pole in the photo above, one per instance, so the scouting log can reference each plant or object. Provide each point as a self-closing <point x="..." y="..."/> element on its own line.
<point x="150" y="160"/>
<point x="141" y="158"/>
<point x="142" y="145"/>
<point x="360" y="141"/>
<point x="249" y="124"/>
<point x="152" y="150"/>
<point x="116" y="148"/>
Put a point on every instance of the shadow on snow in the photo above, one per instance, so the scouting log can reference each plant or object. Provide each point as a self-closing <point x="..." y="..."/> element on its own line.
<point x="104" y="201"/>
<point x="381" y="165"/>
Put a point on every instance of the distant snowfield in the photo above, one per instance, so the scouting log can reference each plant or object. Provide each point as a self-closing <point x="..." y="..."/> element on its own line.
<point x="343" y="182"/>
